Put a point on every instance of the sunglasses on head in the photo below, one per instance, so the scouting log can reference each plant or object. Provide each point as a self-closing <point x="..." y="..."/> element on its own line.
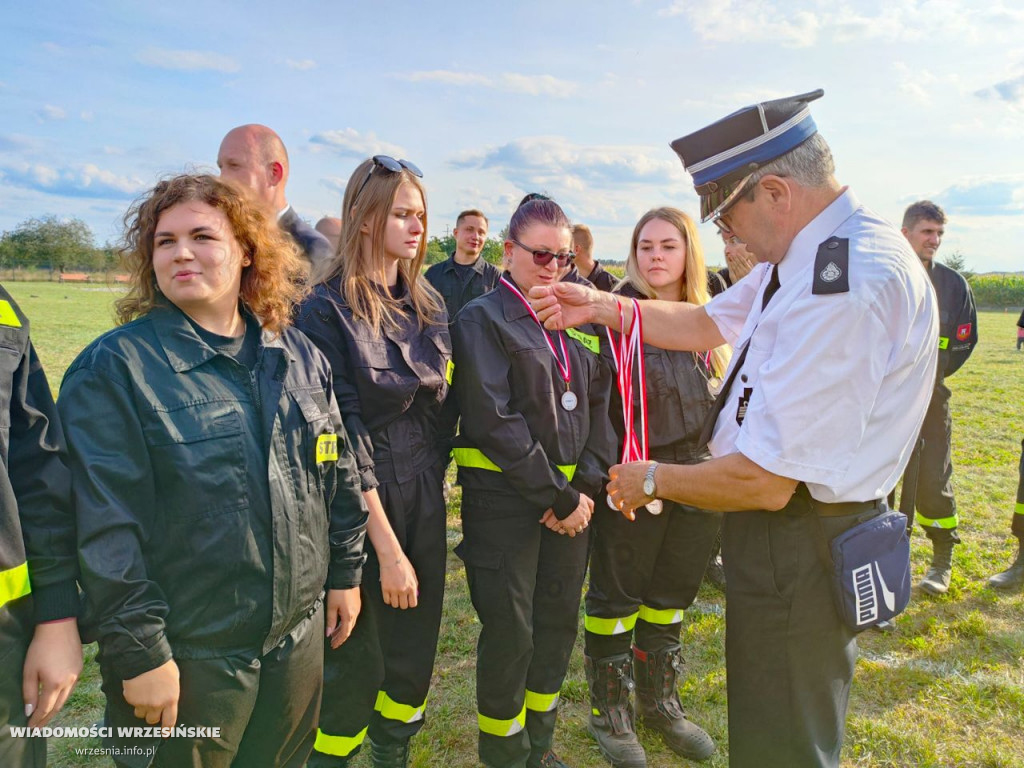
<point x="542" y="257"/>
<point x="390" y="165"/>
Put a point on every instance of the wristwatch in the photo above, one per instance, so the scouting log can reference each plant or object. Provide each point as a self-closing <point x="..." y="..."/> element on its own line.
<point x="650" y="488"/>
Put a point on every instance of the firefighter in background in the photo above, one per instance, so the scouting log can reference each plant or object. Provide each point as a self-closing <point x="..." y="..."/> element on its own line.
<point x="39" y="644"/>
<point x="644" y="573"/>
<point x="1013" y="577"/>
<point x="533" y="453"/>
<point x="385" y="332"/>
<point x="924" y="224"/>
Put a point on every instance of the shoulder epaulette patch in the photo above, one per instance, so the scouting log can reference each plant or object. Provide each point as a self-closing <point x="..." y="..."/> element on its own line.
<point x="832" y="267"/>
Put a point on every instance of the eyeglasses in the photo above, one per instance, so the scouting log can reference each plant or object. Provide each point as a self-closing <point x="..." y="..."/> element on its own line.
<point x="388" y="164"/>
<point x="543" y="257"/>
<point x="728" y="204"/>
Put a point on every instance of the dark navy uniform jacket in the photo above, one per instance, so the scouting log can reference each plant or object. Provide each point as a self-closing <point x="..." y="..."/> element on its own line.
<point x="509" y="391"/>
<point x="958" y="319"/>
<point x="37" y="527"/>
<point x="456" y="292"/>
<point x="210" y="499"/>
<point x="391" y="389"/>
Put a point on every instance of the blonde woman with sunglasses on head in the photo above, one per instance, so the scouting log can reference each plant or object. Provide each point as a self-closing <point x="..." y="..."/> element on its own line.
<point x="385" y="332"/>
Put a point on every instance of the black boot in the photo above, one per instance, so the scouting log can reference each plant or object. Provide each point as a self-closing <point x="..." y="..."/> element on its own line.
<point x="1012" y="577"/>
<point x="547" y="760"/>
<point x="936" y="580"/>
<point x="659" y="707"/>
<point x="393" y="754"/>
<point x="611" y="711"/>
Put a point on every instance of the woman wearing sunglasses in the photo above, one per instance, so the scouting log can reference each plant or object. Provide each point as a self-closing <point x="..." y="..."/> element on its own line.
<point x="645" y="572"/>
<point x="385" y="333"/>
<point x="533" y="452"/>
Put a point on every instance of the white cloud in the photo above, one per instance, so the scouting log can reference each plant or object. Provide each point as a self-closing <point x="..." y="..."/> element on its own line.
<point x="350" y="143"/>
<point x="802" y="23"/>
<point x="301" y="64"/>
<point x="509" y="82"/>
<point x="187" y="61"/>
<point x="86" y="180"/>
<point x="50" y="112"/>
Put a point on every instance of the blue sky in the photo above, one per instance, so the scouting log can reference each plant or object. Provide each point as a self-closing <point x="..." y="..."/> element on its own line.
<point x="922" y="99"/>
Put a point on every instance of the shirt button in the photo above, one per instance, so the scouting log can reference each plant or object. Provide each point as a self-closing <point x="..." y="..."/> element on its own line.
<point x="834" y="244"/>
<point x="743" y="378"/>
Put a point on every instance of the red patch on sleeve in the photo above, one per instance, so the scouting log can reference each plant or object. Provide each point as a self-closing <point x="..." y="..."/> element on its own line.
<point x="963" y="332"/>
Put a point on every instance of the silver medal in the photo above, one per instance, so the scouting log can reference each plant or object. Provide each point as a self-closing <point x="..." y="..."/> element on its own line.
<point x="714" y="385"/>
<point x="569" y="400"/>
<point x="655" y="507"/>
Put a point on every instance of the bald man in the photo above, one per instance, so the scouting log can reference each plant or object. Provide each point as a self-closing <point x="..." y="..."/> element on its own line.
<point x="254" y="157"/>
<point x="330" y="227"/>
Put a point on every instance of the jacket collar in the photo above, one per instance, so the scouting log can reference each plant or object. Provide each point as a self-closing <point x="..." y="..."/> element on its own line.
<point x="184" y="348"/>
<point x="511" y="306"/>
<point x="477" y="266"/>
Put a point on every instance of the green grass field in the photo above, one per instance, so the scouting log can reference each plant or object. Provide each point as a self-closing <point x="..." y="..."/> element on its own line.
<point x="945" y="689"/>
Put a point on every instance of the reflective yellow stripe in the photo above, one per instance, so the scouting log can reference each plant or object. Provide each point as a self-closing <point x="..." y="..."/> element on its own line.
<point x="392" y="710"/>
<point x="943" y="342"/>
<point x="326" y="448"/>
<point x="541" y="702"/>
<point x="14" y="583"/>
<point x="943" y="522"/>
<point x="8" y="316"/>
<point x="474" y="458"/>
<point x="664" y="616"/>
<point x="449" y="371"/>
<point x="502" y="727"/>
<point x="1019" y="509"/>
<point x="597" y="626"/>
<point x="342" y="746"/>
<point x="590" y="342"/>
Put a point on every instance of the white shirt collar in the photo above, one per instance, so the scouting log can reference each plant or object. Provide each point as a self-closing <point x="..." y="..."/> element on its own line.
<point x="804" y="248"/>
<point x="283" y="211"/>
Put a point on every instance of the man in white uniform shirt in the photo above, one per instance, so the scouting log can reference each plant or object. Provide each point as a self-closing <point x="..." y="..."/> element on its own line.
<point x="835" y="339"/>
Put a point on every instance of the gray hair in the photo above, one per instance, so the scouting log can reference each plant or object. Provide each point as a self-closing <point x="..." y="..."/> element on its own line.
<point x="810" y="165"/>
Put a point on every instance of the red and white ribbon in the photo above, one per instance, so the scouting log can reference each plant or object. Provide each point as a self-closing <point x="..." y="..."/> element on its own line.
<point x="630" y="348"/>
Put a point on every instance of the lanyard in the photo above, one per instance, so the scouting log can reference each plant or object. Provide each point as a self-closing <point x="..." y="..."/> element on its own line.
<point x="565" y="369"/>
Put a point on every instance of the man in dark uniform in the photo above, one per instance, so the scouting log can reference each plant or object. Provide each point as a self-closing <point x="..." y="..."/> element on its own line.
<point x="254" y="157"/>
<point x="465" y="274"/>
<point x="924" y="225"/>
<point x="589" y="268"/>
<point x="39" y="642"/>
<point x="1013" y="577"/>
<point x="809" y="433"/>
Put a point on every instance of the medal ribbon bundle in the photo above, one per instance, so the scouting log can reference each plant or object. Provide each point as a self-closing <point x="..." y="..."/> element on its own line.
<point x="569" y="399"/>
<point x="630" y="348"/>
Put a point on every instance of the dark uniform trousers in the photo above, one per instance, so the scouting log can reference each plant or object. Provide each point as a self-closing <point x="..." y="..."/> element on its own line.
<point x="789" y="657"/>
<point x="936" y="506"/>
<point x="647" y="571"/>
<point x="16" y="630"/>
<point x="525" y="582"/>
<point x="272" y="700"/>
<point x="384" y="675"/>
<point x="1018" y="515"/>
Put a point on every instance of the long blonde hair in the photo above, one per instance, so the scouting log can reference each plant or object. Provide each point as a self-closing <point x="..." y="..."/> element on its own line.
<point x="695" y="274"/>
<point x="271" y="285"/>
<point x="369" y="196"/>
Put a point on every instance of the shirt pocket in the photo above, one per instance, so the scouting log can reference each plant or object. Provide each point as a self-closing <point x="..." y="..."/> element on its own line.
<point x="10" y="359"/>
<point x="199" y="460"/>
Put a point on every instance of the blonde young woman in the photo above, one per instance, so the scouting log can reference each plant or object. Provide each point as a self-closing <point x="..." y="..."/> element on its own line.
<point x="385" y="332"/>
<point x="645" y="573"/>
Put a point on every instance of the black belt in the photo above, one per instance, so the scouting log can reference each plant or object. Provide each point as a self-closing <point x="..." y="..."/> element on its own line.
<point x="803" y="504"/>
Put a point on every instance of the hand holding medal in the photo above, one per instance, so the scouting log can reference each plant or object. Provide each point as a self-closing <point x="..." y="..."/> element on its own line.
<point x="630" y="348"/>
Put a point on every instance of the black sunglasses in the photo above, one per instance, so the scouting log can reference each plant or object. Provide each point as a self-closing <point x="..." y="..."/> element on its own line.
<point x="543" y="257"/>
<point x="388" y="164"/>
